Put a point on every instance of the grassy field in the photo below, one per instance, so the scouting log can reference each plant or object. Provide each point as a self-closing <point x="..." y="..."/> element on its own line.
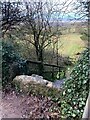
<point x="71" y="44"/>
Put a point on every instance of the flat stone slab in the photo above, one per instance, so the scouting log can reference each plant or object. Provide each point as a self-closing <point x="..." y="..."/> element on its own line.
<point x="25" y="79"/>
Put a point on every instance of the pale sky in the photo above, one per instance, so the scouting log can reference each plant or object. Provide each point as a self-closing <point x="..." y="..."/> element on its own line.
<point x="68" y="5"/>
<point x="59" y="1"/>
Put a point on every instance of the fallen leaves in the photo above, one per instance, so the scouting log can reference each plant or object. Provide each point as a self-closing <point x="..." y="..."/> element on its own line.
<point x="29" y="106"/>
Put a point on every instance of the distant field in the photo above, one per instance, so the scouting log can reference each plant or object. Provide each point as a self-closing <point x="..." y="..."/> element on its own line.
<point x="71" y="44"/>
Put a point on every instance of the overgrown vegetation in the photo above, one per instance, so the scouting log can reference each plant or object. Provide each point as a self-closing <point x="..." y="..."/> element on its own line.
<point x="76" y="89"/>
<point x="38" y="90"/>
<point x="9" y="57"/>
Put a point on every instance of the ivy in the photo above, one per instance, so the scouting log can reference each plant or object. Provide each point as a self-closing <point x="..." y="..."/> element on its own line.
<point x="75" y="90"/>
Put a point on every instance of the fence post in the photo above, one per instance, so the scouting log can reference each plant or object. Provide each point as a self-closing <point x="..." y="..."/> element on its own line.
<point x="65" y="72"/>
<point x="40" y="68"/>
<point x="59" y="72"/>
<point x="52" y="72"/>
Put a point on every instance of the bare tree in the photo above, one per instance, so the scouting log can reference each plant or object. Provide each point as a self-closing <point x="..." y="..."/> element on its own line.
<point x="83" y="12"/>
<point x="10" y="15"/>
<point x="41" y="25"/>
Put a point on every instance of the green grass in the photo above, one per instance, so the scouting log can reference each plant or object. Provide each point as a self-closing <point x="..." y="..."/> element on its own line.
<point x="71" y="44"/>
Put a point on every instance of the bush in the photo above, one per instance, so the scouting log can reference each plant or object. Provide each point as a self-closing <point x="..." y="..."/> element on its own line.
<point x="75" y="90"/>
<point x="9" y="56"/>
<point x="85" y="37"/>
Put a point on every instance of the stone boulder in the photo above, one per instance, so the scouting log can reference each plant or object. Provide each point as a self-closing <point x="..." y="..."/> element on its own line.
<point x="25" y="79"/>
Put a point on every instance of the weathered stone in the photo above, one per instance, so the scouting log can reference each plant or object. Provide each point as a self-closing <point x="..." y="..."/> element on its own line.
<point x="50" y="84"/>
<point x="37" y="76"/>
<point x="25" y="79"/>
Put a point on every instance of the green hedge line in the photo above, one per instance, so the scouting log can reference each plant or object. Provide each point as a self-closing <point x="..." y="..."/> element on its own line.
<point x="76" y="89"/>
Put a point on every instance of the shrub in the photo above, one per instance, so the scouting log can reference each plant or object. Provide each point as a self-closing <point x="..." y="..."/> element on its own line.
<point x="85" y="37"/>
<point x="75" y="90"/>
<point x="9" y="56"/>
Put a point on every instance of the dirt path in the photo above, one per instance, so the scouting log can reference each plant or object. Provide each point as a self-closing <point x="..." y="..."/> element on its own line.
<point x="13" y="106"/>
<point x="21" y="106"/>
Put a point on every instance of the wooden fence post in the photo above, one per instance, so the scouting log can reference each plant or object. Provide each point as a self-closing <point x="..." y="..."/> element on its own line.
<point x="52" y="72"/>
<point x="59" y="73"/>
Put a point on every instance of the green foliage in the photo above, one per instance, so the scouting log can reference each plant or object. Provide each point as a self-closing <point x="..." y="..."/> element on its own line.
<point x="8" y="57"/>
<point x="75" y="91"/>
<point x="85" y="36"/>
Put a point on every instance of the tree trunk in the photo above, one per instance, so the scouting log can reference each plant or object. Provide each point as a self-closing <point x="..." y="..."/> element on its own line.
<point x="39" y="54"/>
